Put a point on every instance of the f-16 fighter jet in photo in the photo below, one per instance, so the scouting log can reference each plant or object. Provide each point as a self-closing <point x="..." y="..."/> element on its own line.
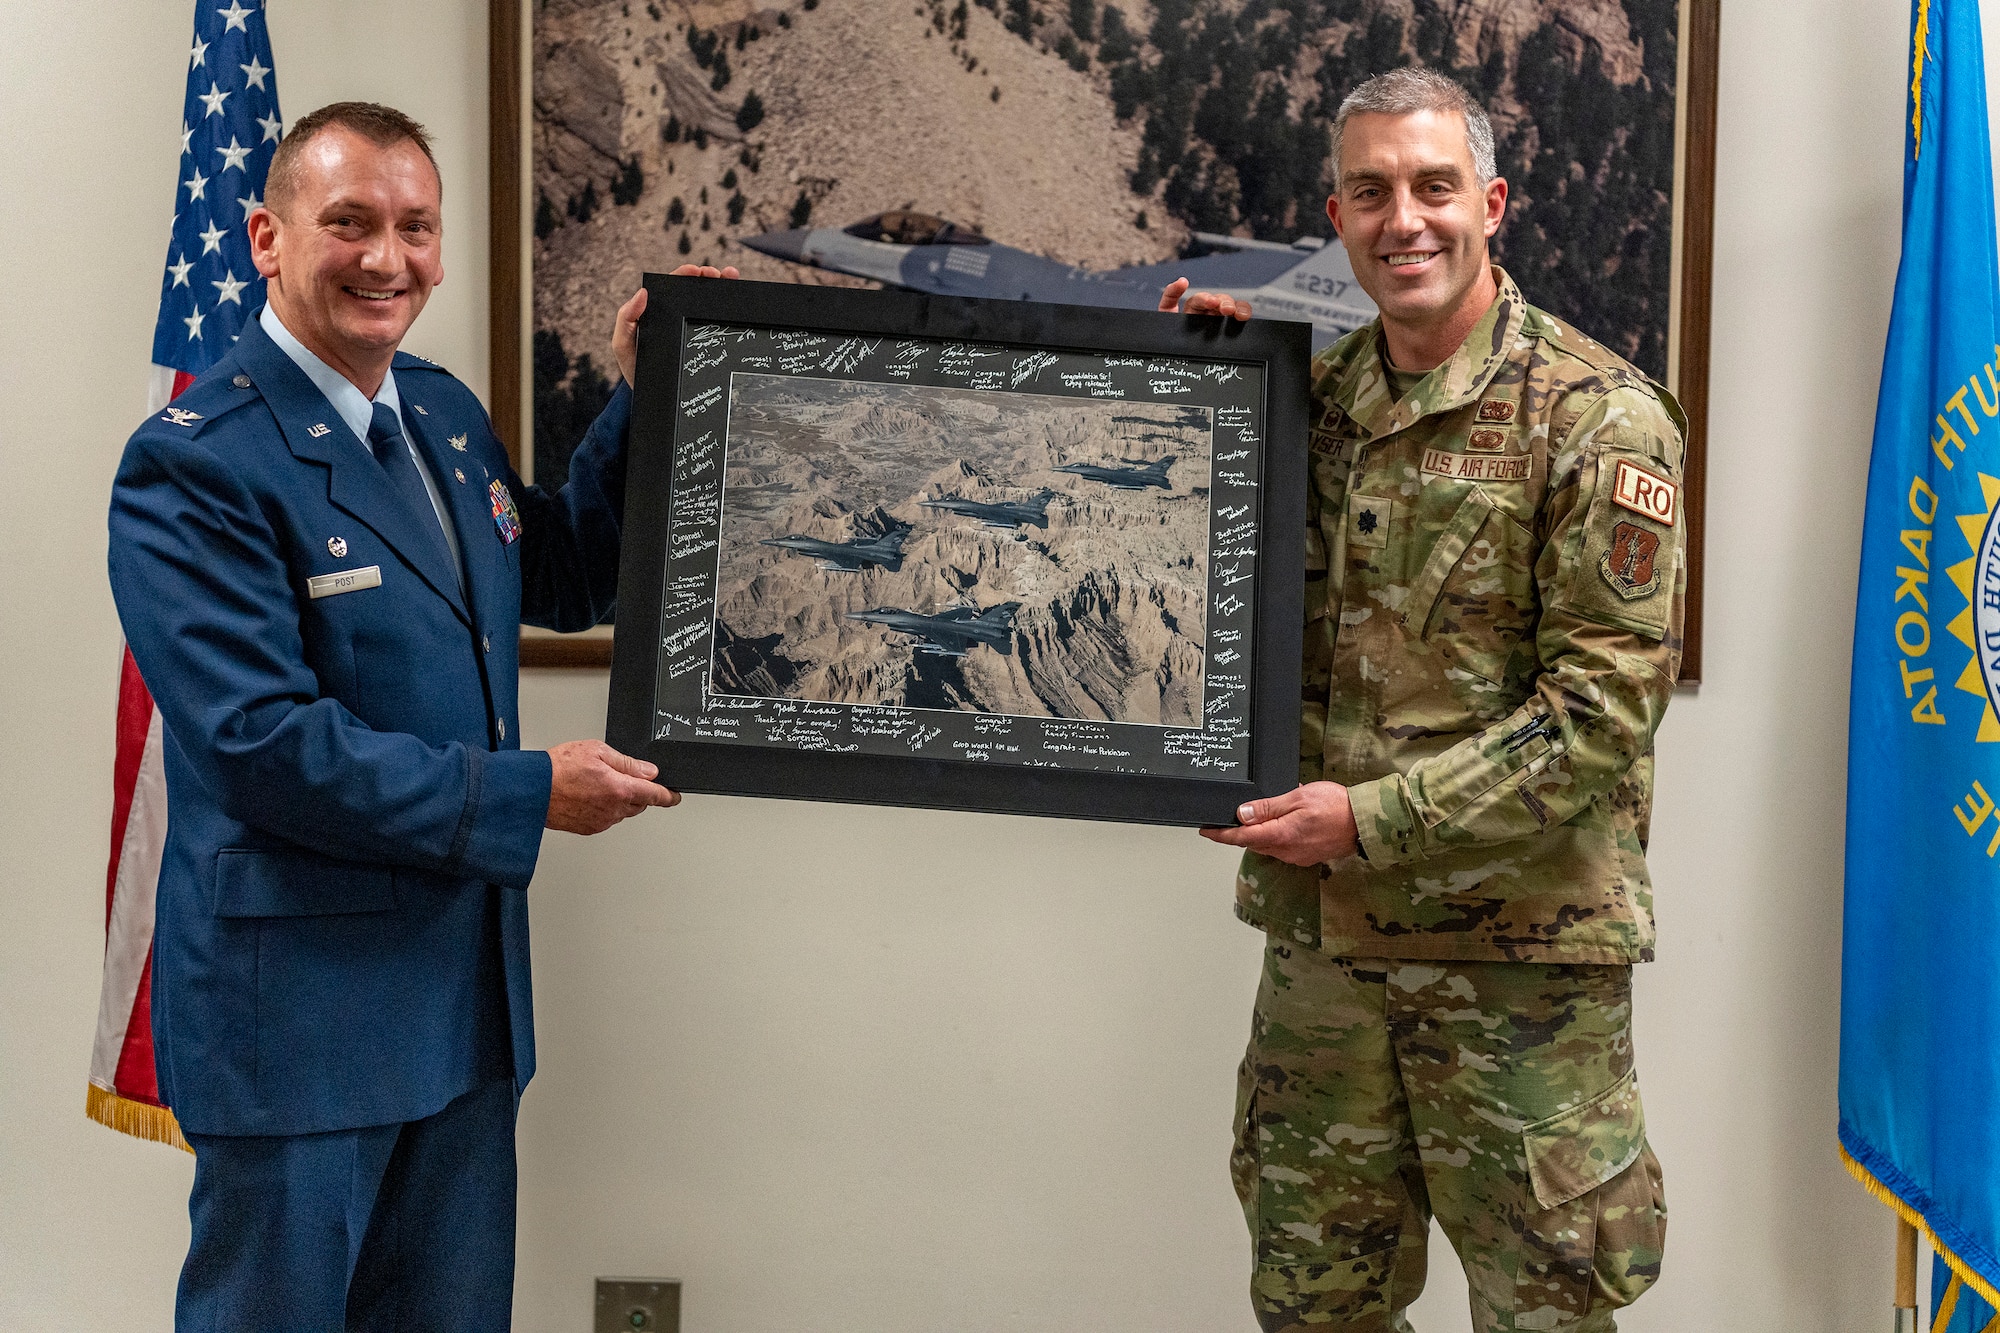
<point x="1308" y="280"/>
<point x="950" y="633"/>
<point x="997" y="514"/>
<point x="884" y="549"/>
<point x="1131" y="475"/>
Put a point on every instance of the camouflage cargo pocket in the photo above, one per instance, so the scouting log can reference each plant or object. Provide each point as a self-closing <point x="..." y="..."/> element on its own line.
<point x="1243" y="1154"/>
<point x="1592" y="1162"/>
<point x="1476" y="603"/>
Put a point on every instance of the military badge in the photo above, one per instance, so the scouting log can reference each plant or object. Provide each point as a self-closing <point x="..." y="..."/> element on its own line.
<point x="1644" y="493"/>
<point x="180" y="416"/>
<point x="1486" y="441"/>
<point x="1368" y="520"/>
<point x="457" y="442"/>
<point x="505" y="517"/>
<point x="1494" y="409"/>
<point x="336" y="547"/>
<point x="1628" y="565"/>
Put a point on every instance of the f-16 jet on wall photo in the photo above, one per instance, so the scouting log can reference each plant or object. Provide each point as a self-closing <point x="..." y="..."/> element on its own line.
<point x="1081" y="152"/>
<point x="1308" y="280"/>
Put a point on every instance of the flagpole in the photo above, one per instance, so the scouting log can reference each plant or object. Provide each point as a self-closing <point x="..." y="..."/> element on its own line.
<point x="1906" y="1277"/>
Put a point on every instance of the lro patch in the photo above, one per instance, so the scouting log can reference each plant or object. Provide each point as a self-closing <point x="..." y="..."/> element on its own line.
<point x="1645" y="493"/>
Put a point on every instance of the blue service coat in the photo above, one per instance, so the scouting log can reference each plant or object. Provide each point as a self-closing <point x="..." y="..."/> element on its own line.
<point x="341" y="931"/>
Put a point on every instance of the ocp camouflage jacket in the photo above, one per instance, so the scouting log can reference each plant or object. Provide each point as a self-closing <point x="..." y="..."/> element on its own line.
<point x="1494" y="586"/>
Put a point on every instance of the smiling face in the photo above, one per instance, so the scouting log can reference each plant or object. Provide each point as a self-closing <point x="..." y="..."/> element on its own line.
<point x="1415" y="220"/>
<point x="353" y="249"/>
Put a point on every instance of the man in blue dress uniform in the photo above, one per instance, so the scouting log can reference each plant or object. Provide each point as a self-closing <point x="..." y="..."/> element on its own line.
<point x="320" y="555"/>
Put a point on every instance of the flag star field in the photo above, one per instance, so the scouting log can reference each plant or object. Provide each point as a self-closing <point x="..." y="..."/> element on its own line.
<point x="230" y="126"/>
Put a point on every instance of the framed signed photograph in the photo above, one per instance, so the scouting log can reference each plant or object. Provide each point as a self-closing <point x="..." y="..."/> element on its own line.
<point x="1074" y="151"/>
<point x="988" y="555"/>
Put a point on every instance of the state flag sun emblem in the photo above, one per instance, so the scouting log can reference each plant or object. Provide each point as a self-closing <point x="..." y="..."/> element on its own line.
<point x="1977" y="579"/>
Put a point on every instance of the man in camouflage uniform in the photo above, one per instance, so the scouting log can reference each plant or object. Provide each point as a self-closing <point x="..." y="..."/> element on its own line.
<point x="1456" y="892"/>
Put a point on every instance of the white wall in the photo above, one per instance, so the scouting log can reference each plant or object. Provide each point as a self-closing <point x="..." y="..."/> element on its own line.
<point x="788" y="1057"/>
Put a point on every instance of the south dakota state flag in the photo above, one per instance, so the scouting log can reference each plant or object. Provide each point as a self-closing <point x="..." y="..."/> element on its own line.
<point x="1920" y="993"/>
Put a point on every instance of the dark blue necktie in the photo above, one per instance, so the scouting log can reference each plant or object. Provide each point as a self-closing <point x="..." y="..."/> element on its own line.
<point x="385" y="439"/>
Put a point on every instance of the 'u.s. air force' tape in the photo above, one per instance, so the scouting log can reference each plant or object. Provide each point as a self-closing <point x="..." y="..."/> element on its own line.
<point x="347" y="580"/>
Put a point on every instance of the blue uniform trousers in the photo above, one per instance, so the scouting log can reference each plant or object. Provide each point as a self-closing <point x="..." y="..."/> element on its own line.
<point x="403" y="1228"/>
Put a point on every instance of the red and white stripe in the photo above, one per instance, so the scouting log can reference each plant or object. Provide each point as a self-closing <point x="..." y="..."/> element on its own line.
<point x="124" y="1088"/>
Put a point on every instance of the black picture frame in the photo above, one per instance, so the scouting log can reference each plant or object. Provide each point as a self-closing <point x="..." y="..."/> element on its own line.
<point x="674" y="506"/>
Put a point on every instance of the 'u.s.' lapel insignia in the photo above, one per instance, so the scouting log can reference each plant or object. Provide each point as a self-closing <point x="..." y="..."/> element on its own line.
<point x="457" y="442"/>
<point x="419" y="409"/>
<point x="505" y="517"/>
<point x="180" y="416"/>
<point x="317" y="429"/>
<point x="1629" y="565"/>
<point x="336" y="547"/>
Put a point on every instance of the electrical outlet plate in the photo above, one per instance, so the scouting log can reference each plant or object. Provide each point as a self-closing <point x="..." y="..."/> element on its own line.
<point x="638" y="1305"/>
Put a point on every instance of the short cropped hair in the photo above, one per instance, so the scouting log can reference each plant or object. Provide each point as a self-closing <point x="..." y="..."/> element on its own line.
<point x="380" y="125"/>
<point x="1402" y="92"/>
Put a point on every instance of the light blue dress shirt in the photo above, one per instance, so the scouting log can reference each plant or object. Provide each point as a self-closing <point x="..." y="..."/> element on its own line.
<point x="359" y="413"/>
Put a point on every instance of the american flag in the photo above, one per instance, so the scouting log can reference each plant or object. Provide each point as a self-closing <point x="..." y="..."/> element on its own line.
<point x="210" y="290"/>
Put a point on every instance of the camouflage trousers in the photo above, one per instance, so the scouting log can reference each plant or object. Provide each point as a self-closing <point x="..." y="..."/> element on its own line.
<point x="1499" y="1097"/>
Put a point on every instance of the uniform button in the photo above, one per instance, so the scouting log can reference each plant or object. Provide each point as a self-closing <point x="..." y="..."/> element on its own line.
<point x="241" y="381"/>
<point x="503" y="728"/>
<point x="486" y="642"/>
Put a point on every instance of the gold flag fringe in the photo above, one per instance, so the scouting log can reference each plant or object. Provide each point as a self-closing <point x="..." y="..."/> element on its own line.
<point x="1959" y="1267"/>
<point x="142" y="1120"/>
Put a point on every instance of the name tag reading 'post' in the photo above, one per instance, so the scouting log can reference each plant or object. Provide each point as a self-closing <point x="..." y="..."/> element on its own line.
<point x="347" y="580"/>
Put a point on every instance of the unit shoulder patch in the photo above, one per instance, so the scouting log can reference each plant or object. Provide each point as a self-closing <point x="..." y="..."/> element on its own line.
<point x="1629" y="566"/>
<point x="1645" y="493"/>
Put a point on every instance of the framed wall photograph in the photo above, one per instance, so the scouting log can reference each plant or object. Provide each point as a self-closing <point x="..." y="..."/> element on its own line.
<point x="986" y="555"/>
<point x="1073" y="151"/>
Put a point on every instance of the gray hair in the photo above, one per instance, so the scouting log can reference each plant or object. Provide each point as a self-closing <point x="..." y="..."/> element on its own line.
<point x="1402" y="92"/>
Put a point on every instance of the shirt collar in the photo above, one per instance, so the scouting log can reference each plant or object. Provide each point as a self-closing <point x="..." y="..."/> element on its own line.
<point x="358" y="412"/>
<point x="1462" y="377"/>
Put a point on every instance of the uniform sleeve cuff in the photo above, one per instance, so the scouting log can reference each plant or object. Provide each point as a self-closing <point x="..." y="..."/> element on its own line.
<point x="510" y="806"/>
<point x="1384" y="821"/>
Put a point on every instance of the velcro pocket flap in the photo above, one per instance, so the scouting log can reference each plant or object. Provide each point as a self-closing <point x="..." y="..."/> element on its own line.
<point x="1466" y="521"/>
<point x="1573" y="1153"/>
<point x="282" y="882"/>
